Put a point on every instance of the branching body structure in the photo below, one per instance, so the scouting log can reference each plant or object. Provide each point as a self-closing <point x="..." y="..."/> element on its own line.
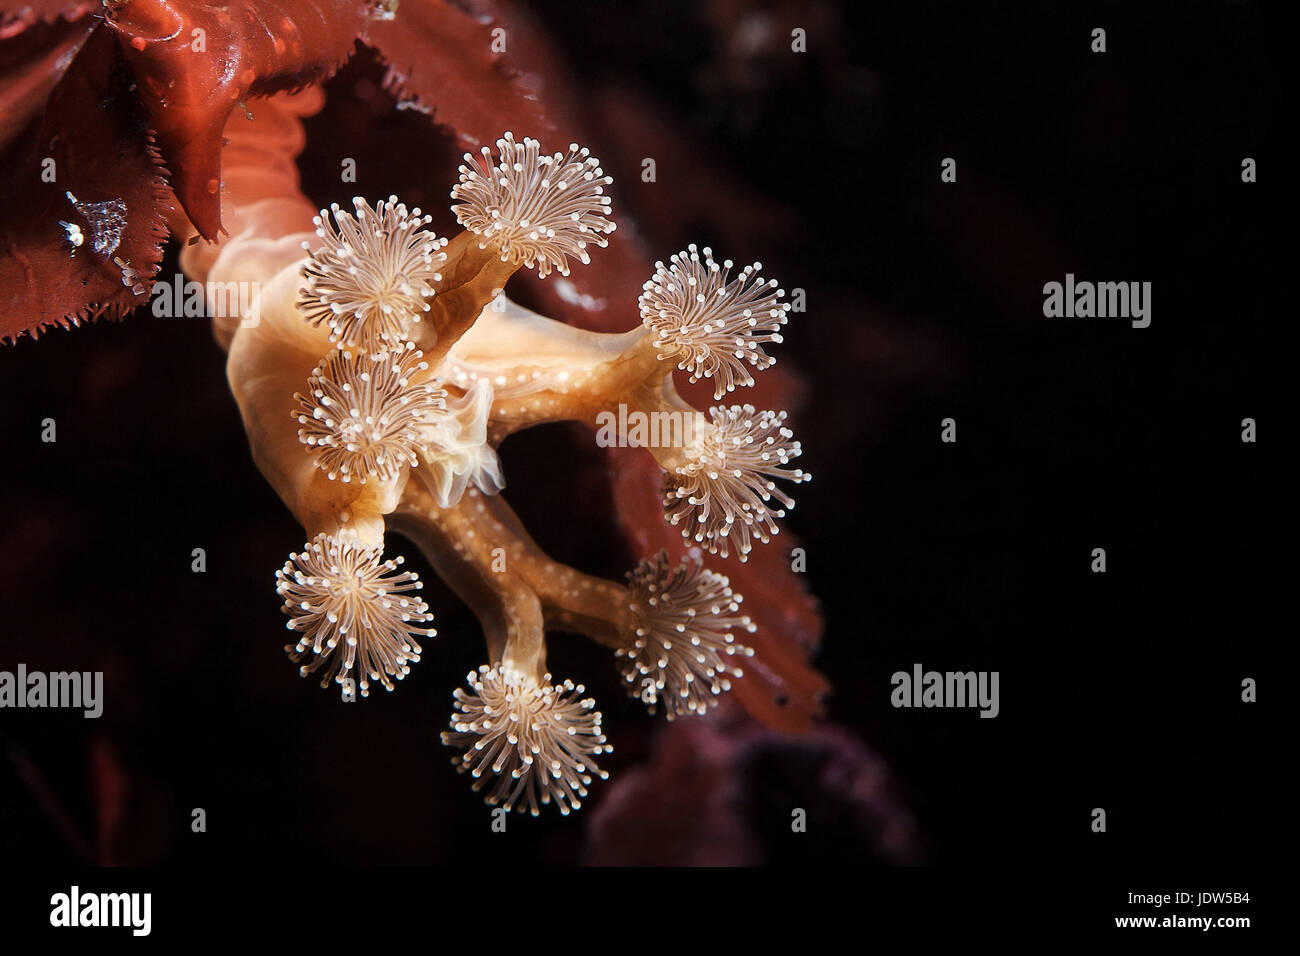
<point x="383" y="368"/>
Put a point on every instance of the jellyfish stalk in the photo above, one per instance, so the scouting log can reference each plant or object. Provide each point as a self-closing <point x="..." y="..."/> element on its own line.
<point x="385" y="367"/>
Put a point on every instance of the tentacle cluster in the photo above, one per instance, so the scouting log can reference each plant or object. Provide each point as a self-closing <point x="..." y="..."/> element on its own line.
<point x="682" y="646"/>
<point x="533" y="741"/>
<point x="536" y="209"/>
<point x="711" y="323"/>
<point x="371" y="279"/>
<point x="365" y="415"/>
<point x="336" y="591"/>
<point x="721" y="495"/>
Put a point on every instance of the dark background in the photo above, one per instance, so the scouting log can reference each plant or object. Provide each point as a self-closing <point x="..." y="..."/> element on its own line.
<point x="1119" y="690"/>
